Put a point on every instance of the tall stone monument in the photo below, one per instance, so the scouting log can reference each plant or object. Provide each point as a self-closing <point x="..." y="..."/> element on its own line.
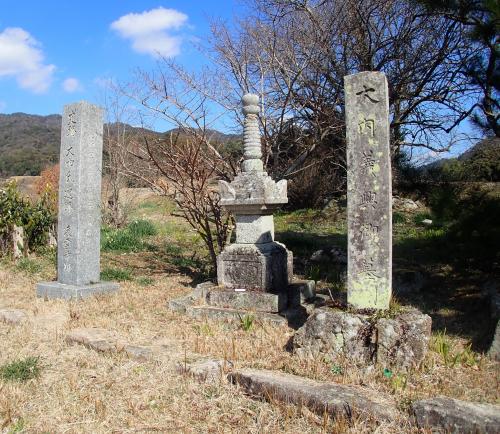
<point x="255" y="261"/>
<point x="369" y="208"/>
<point x="79" y="222"/>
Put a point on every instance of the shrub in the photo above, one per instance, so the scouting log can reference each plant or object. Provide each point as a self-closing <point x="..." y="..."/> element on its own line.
<point x="35" y="218"/>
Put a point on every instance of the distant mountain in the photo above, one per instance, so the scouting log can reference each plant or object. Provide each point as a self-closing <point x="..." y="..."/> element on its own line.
<point x="29" y="143"/>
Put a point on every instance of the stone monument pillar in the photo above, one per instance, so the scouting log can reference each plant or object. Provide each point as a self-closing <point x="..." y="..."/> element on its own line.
<point x="255" y="261"/>
<point x="79" y="220"/>
<point x="369" y="196"/>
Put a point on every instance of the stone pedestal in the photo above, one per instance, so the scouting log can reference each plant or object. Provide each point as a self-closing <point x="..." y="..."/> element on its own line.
<point x="79" y="219"/>
<point x="258" y="267"/>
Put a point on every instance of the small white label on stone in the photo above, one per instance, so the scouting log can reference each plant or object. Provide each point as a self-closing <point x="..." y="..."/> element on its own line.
<point x="239" y="289"/>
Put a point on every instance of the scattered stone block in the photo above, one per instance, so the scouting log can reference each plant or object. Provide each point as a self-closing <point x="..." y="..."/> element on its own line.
<point x="17" y="242"/>
<point x="338" y="400"/>
<point x="403" y="341"/>
<point x="335" y="333"/>
<point x="206" y="370"/>
<point x="452" y="416"/>
<point x="13" y="316"/>
<point x="97" y="339"/>
<point x="138" y="352"/>
<point x="181" y="304"/>
<point x="248" y="300"/>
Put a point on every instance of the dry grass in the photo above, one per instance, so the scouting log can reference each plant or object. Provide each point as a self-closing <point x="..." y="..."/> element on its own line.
<point x="80" y="390"/>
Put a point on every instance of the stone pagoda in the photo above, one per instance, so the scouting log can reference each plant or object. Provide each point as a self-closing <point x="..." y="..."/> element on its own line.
<point x="255" y="273"/>
<point x="255" y="262"/>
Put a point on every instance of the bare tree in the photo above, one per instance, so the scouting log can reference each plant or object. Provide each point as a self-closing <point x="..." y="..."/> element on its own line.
<point x="295" y="53"/>
<point x="184" y="163"/>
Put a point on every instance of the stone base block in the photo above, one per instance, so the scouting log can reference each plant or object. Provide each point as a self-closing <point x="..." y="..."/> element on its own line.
<point x="69" y="292"/>
<point x="400" y="342"/>
<point x="265" y="267"/>
<point x="248" y="300"/>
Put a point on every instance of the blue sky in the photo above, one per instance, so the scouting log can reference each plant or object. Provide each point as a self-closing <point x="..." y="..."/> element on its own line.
<point x="55" y="52"/>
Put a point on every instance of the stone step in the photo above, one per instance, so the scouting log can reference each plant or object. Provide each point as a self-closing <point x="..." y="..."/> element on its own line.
<point x="319" y="397"/>
<point x="449" y="415"/>
<point x="210" y="312"/>
<point x="13" y="316"/>
<point x="247" y="300"/>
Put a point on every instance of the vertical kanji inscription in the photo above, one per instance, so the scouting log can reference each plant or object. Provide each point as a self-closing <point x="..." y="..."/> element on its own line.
<point x="369" y="193"/>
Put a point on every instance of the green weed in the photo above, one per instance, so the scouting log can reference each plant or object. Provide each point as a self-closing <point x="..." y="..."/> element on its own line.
<point x="28" y="265"/>
<point x="145" y="281"/>
<point x="20" y="370"/>
<point x="246" y="322"/>
<point x="119" y="274"/>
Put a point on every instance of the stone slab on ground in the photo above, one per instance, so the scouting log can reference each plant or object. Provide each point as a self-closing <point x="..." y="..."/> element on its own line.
<point x="338" y="400"/>
<point x="74" y="292"/>
<point x="301" y="291"/>
<point x="13" y="316"/>
<point x="97" y="339"/>
<point x="209" y="312"/>
<point x="206" y="370"/>
<point x="449" y="415"/>
<point x="248" y="300"/>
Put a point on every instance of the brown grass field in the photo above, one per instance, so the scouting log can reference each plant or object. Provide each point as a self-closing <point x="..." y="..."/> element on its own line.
<point x="82" y="391"/>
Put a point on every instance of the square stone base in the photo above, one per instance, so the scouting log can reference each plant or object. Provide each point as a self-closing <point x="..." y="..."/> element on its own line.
<point x="68" y="292"/>
<point x="259" y="267"/>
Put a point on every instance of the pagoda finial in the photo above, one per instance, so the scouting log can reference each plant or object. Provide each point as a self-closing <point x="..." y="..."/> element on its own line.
<point x="251" y="135"/>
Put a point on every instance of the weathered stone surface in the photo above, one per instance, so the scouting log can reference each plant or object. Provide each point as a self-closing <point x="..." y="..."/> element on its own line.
<point x="333" y="254"/>
<point x="79" y="218"/>
<point x="254" y="267"/>
<point x="334" y="333"/>
<point x="494" y="351"/>
<point x="403" y="341"/>
<point x="335" y="399"/>
<point x="369" y="210"/>
<point x="404" y="203"/>
<point x="209" y="312"/>
<point x="300" y="291"/>
<point x="206" y="370"/>
<point x="399" y="342"/>
<point x="201" y="290"/>
<point x="181" y="304"/>
<point x="17" y="242"/>
<point x="13" y="316"/>
<point x="139" y="352"/>
<point x="97" y="339"/>
<point x="457" y="417"/>
<point x="74" y="292"/>
<point x="248" y="300"/>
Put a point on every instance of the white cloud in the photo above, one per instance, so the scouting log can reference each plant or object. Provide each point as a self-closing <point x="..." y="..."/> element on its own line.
<point x="149" y="31"/>
<point x="71" y="85"/>
<point x="21" y="57"/>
